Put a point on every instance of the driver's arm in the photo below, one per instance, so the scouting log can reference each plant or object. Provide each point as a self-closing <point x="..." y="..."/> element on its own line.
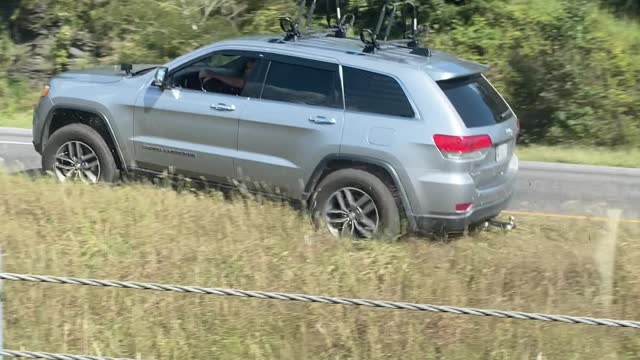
<point x="231" y="81"/>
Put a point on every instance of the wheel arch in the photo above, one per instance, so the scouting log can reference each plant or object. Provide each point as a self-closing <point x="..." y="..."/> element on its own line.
<point x="62" y="115"/>
<point x="377" y="167"/>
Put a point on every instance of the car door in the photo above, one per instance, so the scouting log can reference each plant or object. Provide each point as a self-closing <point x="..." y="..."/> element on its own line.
<point x="191" y="128"/>
<point x="297" y="121"/>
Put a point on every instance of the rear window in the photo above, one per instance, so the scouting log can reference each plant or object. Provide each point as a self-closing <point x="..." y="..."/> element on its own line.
<point x="476" y="101"/>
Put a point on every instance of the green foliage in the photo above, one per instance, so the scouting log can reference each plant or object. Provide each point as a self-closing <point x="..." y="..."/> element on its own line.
<point x="264" y="20"/>
<point x="624" y="7"/>
<point x="152" y="31"/>
<point x="569" y="69"/>
<point x="59" y="50"/>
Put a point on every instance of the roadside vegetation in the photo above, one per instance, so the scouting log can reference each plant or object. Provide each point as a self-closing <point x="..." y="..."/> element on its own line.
<point x="16" y="103"/>
<point x="604" y="156"/>
<point x="145" y="233"/>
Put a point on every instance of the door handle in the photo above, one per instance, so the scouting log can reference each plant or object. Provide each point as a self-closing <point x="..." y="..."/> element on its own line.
<point x="223" y="107"/>
<point x="322" y="120"/>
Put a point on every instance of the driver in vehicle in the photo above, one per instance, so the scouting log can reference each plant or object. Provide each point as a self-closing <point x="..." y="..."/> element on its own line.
<point x="237" y="83"/>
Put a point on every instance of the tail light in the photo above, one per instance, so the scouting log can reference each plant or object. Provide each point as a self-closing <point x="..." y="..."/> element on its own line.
<point x="463" y="208"/>
<point x="473" y="147"/>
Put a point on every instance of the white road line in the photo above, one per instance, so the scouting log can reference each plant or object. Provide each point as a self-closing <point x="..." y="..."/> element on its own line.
<point x="15" y="143"/>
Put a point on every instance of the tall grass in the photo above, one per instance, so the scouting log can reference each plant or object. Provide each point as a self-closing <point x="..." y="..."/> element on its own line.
<point x="153" y="234"/>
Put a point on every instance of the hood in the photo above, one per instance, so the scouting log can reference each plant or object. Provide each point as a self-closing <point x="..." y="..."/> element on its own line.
<point x="103" y="75"/>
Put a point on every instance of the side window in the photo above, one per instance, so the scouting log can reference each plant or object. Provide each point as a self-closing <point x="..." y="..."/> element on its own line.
<point x="369" y="92"/>
<point x="300" y="84"/>
<point x="221" y="73"/>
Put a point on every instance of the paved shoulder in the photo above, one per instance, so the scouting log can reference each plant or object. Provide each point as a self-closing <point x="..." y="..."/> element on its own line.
<point x="578" y="169"/>
<point x="577" y="189"/>
<point x="16" y="149"/>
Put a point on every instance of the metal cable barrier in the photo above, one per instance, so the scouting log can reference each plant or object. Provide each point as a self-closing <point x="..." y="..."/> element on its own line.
<point x="323" y="300"/>
<point x="52" y="356"/>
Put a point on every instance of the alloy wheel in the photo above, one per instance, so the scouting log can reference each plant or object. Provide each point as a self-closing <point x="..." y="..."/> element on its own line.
<point x="75" y="160"/>
<point x="351" y="212"/>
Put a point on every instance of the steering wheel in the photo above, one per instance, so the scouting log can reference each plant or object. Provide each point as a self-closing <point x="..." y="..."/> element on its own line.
<point x="217" y="86"/>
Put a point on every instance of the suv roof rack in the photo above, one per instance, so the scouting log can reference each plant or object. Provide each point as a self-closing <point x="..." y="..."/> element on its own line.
<point x="370" y="38"/>
<point x="292" y="27"/>
<point x="343" y="23"/>
<point x="387" y="14"/>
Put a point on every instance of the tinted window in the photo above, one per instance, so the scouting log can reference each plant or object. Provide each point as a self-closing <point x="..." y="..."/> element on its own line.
<point x="374" y="93"/>
<point x="300" y="84"/>
<point x="476" y="101"/>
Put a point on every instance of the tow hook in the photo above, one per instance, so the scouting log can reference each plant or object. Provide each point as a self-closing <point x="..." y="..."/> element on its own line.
<point x="505" y="225"/>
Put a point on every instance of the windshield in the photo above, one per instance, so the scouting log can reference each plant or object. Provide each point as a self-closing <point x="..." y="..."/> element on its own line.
<point x="476" y="101"/>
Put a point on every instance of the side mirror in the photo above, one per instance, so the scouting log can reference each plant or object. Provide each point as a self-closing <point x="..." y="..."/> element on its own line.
<point x="160" y="78"/>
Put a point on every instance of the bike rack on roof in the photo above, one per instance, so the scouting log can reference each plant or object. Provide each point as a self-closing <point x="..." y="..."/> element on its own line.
<point x="367" y="36"/>
<point x="343" y="23"/>
<point x="387" y="13"/>
<point x="292" y="29"/>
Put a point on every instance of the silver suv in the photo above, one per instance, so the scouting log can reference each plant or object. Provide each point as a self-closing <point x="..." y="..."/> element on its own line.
<point x="365" y="134"/>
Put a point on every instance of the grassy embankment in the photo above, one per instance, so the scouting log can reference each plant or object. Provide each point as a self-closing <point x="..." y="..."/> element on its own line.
<point x="152" y="234"/>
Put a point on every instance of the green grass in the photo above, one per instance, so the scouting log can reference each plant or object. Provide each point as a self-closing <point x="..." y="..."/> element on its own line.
<point x="17" y="120"/>
<point x="152" y="234"/>
<point x="629" y="157"/>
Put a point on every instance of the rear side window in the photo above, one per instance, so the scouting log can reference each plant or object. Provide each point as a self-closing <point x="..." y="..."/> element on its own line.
<point x="476" y="101"/>
<point x="375" y="93"/>
<point x="301" y="84"/>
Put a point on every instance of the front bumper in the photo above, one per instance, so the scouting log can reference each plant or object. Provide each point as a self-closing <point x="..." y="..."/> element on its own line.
<point x="40" y="113"/>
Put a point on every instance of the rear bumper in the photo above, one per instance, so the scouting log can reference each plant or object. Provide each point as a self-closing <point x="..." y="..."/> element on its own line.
<point x="454" y="224"/>
<point x="440" y="197"/>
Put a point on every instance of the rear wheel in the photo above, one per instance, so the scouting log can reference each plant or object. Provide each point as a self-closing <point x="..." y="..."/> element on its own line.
<point x="78" y="152"/>
<point x="356" y="203"/>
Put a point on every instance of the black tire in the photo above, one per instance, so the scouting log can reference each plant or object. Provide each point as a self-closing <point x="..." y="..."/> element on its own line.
<point x="389" y="213"/>
<point x="80" y="132"/>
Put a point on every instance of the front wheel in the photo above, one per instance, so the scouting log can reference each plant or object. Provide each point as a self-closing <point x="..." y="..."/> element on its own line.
<point x="78" y="152"/>
<point x="356" y="203"/>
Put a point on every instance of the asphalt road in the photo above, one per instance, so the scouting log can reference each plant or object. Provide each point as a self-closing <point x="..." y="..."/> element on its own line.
<point x="545" y="188"/>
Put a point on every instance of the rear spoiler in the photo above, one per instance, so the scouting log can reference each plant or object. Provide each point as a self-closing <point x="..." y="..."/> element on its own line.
<point x="452" y="67"/>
